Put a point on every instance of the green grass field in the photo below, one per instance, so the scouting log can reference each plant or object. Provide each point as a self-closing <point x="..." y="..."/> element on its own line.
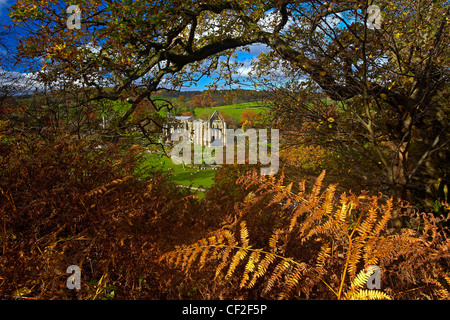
<point x="183" y="176"/>
<point x="233" y="110"/>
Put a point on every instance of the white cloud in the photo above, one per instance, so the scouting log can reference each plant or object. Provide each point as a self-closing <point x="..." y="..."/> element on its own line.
<point x="22" y="82"/>
<point x="257" y="48"/>
<point x="269" y="21"/>
<point x="244" y="71"/>
<point x="3" y="3"/>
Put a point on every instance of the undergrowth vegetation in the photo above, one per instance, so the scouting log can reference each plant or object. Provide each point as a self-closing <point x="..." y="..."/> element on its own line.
<point x="66" y="202"/>
<point x="317" y="245"/>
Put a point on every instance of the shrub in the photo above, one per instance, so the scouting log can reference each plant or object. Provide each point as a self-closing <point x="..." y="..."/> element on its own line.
<point x="68" y="202"/>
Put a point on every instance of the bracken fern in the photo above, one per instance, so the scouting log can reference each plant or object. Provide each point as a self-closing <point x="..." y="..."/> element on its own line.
<point x="318" y="242"/>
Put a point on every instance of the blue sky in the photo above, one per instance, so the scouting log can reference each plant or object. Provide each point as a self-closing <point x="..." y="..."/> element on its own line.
<point x="242" y="72"/>
<point x="10" y="40"/>
<point x="3" y="12"/>
<point x="4" y="17"/>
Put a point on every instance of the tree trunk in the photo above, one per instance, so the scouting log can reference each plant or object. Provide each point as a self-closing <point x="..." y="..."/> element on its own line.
<point x="399" y="176"/>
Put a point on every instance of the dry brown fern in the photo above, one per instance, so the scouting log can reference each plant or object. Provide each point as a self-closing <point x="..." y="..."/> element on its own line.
<point x="319" y="241"/>
<point x="224" y="247"/>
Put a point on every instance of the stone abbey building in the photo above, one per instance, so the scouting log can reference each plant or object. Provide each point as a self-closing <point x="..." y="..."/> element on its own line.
<point x="201" y="132"/>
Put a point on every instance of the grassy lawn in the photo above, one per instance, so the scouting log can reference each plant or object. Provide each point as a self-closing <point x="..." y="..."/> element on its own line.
<point x="233" y="110"/>
<point x="186" y="177"/>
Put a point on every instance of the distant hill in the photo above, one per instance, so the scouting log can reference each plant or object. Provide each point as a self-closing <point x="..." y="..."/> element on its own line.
<point x="198" y="99"/>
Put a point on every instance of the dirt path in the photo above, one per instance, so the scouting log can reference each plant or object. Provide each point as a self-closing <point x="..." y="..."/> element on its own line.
<point x="192" y="188"/>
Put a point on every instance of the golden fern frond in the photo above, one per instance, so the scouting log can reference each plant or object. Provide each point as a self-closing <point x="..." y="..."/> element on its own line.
<point x="186" y="257"/>
<point x="329" y="196"/>
<point x="317" y="214"/>
<point x="370" y="257"/>
<point x="244" y="234"/>
<point x="262" y="267"/>
<point x="205" y="252"/>
<point x="366" y="294"/>
<point x="383" y="250"/>
<point x="384" y="220"/>
<point x="104" y="188"/>
<point x="193" y="256"/>
<point x="314" y="196"/>
<point x="365" y="227"/>
<point x="442" y="292"/>
<point x="361" y="279"/>
<point x="332" y="227"/>
<point x="355" y="256"/>
<point x="276" y="275"/>
<point x="274" y="240"/>
<point x="229" y="237"/>
<point x="346" y="208"/>
<point x="279" y="196"/>
<point x="301" y="210"/>
<point x="238" y="257"/>
<point x="223" y="263"/>
<point x="178" y="255"/>
<point x="323" y="255"/>
<point x="292" y="280"/>
<point x="288" y="188"/>
<point x="249" y="267"/>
